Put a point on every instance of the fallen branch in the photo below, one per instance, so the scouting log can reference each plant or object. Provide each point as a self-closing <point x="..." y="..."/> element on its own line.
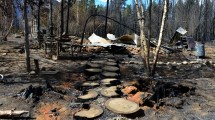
<point x="12" y="112"/>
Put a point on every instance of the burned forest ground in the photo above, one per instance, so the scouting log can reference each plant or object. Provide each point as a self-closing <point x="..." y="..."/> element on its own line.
<point x="183" y="87"/>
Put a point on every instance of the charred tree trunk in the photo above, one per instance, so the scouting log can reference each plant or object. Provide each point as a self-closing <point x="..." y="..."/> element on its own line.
<point x="38" y="23"/>
<point x="50" y="18"/>
<point x="160" y="38"/>
<point x="27" y="52"/>
<point x="67" y="19"/>
<point x="105" y="34"/>
<point x="62" y="19"/>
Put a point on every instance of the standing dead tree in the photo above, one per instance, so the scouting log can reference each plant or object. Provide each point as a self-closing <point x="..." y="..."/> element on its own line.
<point x="160" y="38"/>
<point x="145" y="43"/>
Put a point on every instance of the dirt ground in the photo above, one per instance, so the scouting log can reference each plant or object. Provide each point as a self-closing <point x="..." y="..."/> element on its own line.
<point x="182" y="68"/>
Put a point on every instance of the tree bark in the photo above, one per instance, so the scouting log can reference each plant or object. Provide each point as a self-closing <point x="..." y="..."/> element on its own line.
<point x="27" y="52"/>
<point x="160" y="38"/>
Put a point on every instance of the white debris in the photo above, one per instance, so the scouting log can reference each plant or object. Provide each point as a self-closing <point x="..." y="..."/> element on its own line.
<point x="137" y="40"/>
<point x="95" y="39"/>
<point x="111" y="36"/>
<point x="1" y="77"/>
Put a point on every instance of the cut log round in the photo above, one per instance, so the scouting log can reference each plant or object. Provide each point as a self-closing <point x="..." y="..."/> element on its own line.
<point x="89" y="95"/>
<point x="94" y="78"/>
<point x="98" y="61"/>
<point x="90" y="84"/>
<point x="92" y="71"/>
<point x="109" y="92"/>
<point x="110" y="81"/>
<point x="110" y="74"/>
<point x="111" y="63"/>
<point x="111" y="60"/>
<point x="121" y="106"/>
<point x="110" y="68"/>
<point x="93" y="112"/>
<point x="93" y="65"/>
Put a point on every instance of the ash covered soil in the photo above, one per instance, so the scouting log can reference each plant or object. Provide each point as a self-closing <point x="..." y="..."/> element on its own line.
<point x="183" y="87"/>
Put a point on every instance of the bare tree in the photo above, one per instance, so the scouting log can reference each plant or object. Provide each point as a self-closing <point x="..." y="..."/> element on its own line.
<point x="160" y="38"/>
<point x="144" y="43"/>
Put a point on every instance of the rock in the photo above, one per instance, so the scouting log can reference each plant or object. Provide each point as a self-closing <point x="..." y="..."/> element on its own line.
<point x="89" y="95"/>
<point x="1" y="104"/>
<point x="92" y="112"/>
<point x="129" y="90"/>
<point x="110" y="92"/>
<point x="139" y="97"/>
<point x="121" y="106"/>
